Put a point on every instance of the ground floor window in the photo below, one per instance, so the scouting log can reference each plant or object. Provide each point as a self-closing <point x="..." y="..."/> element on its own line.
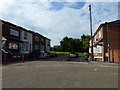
<point x="36" y="47"/>
<point x="13" y="45"/>
<point x="42" y="47"/>
<point x="25" y="46"/>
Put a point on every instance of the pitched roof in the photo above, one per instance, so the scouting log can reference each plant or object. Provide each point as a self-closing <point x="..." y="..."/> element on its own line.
<point x="112" y="23"/>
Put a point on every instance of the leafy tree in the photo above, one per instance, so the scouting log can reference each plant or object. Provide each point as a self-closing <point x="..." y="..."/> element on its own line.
<point x="69" y="44"/>
<point x="56" y="48"/>
<point x="85" y="42"/>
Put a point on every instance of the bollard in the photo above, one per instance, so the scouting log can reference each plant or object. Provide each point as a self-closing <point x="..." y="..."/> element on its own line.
<point x="23" y="58"/>
<point x="119" y="60"/>
<point x="5" y="59"/>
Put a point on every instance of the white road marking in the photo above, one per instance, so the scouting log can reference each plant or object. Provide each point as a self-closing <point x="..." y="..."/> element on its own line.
<point x="95" y="69"/>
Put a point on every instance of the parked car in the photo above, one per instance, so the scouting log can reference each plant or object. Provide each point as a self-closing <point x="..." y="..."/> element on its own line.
<point x="73" y="54"/>
<point x="51" y="54"/>
<point x="43" y="55"/>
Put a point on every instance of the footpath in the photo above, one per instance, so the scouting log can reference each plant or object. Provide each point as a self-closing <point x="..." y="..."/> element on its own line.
<point x="104" y="63"/>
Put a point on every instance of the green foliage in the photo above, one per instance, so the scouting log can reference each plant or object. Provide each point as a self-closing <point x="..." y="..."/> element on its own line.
<point x="85" y="42"/>
<point x="56" y="48"/>
<point x="66" y="53"/>
<point x="68" y="44"/>
<point x="61" y="53"/>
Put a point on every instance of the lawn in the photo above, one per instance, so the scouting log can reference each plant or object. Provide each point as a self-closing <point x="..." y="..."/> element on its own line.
<point x="65" y="53"/>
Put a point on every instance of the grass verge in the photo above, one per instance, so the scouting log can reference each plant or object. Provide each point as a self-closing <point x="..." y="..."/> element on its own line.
<point x="66" y="53"/>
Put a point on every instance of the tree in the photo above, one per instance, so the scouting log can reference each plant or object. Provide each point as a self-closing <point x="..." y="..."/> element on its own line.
<point x="85" y="42"/>
<point x="56" y="48"/>
<point x="70" y="44"/>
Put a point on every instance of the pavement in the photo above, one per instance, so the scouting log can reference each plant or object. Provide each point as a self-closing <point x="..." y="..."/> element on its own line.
<point x="51" y="73"/>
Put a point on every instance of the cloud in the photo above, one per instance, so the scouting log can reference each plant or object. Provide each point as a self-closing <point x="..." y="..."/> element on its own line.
<point x="71" y="19"/>
<point x="60" y="5"/>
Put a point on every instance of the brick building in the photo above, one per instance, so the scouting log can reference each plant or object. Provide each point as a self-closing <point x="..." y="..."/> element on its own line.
<point x="21" y="41"/>
<point x="106" y="42"/>
<point x="12" y="33"/>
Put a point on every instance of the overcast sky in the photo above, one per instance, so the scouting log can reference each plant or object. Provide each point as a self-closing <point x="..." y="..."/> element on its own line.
<point x="56" y="20"/>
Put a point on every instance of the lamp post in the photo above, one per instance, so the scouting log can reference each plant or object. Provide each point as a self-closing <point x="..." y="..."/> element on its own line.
<point x="92" y="56"/>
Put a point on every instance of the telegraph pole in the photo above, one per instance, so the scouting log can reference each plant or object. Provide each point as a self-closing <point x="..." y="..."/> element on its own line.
<point x="92" y="57"/>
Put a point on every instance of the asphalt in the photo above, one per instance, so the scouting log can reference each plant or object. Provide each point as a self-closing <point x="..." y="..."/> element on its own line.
<point x="58" y="72"/>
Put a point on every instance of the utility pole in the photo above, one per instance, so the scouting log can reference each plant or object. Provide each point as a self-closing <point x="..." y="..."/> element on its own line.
<point x="92" y="57"/>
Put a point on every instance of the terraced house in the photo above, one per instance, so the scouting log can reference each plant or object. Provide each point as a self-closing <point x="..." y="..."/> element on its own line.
<point x="20" y="41"/>
<point x="106" y="42"/>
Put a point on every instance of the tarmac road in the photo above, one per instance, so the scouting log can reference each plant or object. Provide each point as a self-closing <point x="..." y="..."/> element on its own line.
<point x="59" y="74"/>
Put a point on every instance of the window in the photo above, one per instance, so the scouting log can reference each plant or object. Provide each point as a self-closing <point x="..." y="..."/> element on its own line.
<point x="25" y="35"/>
<point x="14" y="32"/>
<point x="13" y="45"/>
<point x="48" y="42"/>
<point x="94" y="50"/>
<point x="36" y="47"/>
<point x="99" y="49"/>
<point x="25" y="46"/>
<point x="42" y="48"/>
<point x="37" y="38"/>
<point x="42" y="39"/>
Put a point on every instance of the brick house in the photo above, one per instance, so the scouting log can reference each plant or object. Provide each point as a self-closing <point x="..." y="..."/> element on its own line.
<point x="21" y="41"/>
<point x="11" y="32"/>
<point x="106" y="46"/>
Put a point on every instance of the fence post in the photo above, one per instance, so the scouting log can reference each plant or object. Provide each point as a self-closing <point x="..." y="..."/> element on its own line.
<point x="23" y="58"/>
<point x="5" y="59"/>
<point x="119" y="60"/>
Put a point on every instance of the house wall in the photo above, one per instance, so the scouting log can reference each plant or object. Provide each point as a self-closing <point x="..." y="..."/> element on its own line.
<point x="98" y="36"/>
<point x="38" y="43"/>
<point x="6" y="33"/>
<point x="26" y="46"/>
<point x="47" y="45"/>
<point x="98" y="50"/>
<point x="43" y="43"/>
<point x="113" y="42"/>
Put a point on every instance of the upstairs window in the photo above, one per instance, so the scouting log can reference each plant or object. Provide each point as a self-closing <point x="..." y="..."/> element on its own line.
<point x="42" y="39"/>
<point x="37" y="38"/>
<point x="25" y="35"/>
<point x="14" y="32"/>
